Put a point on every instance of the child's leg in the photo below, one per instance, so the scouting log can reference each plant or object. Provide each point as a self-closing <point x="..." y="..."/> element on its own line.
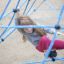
<point x="45" y="42"/>
<point x="59" y="44"/>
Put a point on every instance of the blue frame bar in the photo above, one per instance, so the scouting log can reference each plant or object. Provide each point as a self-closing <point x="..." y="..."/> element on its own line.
<point x="31" y="6"/>
<point x="25" y="26"/>
<point x="5" y="9"/>
<point x="10" y="20"/>
<point x="26" y="7"/>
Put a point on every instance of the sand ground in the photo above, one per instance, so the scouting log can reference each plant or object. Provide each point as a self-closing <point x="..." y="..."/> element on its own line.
<point x="13" y="50"/>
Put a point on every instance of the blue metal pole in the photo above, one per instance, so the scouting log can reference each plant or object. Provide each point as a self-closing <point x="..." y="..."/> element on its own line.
<point x="60" y="15"/>
<point x="31" y="6"/>
<point x="25" y="26"/>
<point x="51" y="45"/>
<point x="10" y="20"/>
<point x="26" y="7"/>
<point x="5" y="9"/>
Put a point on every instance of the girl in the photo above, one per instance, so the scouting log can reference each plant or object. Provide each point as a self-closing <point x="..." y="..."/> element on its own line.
<point x="38" y="37"/>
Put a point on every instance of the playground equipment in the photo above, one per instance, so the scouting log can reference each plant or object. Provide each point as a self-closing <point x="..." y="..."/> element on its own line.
<point x="56" y="27"/>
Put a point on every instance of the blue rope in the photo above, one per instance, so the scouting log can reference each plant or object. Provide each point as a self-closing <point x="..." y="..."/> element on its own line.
<point x="14" y="28"/>
<point x="12" y="10"/>
<point x="60" y="15"/>
<point x="34" y="10"/>
<point x="30" y="26"/>
<point x="5" y="9"/>
<point x="26" y="7"/>
<point x="31" y="6"/>
<point x="51" y="45"/>
<point x="10" y="20"/>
